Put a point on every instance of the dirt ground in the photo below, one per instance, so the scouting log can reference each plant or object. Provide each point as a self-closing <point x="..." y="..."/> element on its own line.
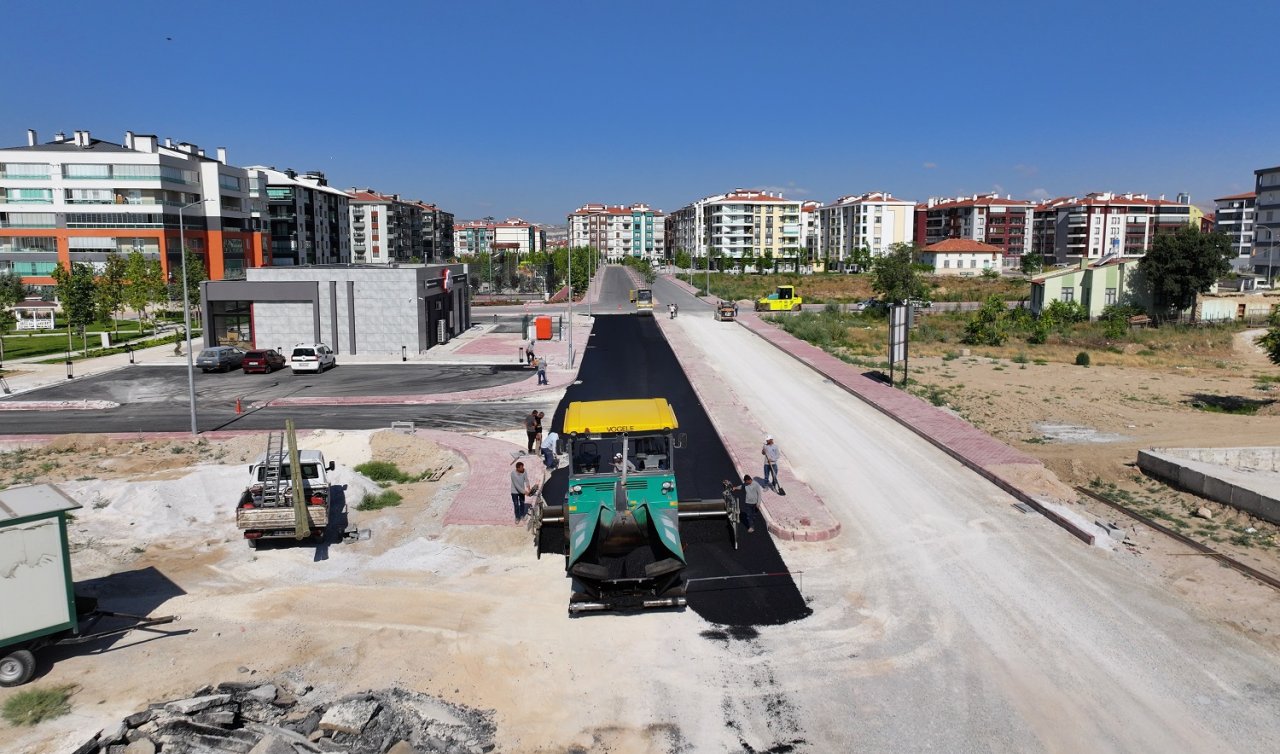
<point x="466" y="614"/>
<point x="1088" y="423"/>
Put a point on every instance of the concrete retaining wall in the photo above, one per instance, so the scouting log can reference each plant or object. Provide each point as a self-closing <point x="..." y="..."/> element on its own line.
<point x="1245" y="478"/>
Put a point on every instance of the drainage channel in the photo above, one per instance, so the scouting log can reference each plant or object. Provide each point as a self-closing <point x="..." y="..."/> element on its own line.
<point x="1225" y="560"/>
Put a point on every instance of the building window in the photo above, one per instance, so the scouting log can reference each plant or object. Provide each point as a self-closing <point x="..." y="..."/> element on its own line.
<point x="1110" y="296"/>
<point x="1068" y="294"/>
<point x="946" y="263"/>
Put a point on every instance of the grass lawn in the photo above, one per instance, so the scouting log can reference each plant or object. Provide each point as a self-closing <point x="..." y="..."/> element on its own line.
<point x="845" y="289"/>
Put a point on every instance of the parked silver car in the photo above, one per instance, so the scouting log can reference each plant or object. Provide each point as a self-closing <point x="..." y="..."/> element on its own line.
<point x="220" y="358"/>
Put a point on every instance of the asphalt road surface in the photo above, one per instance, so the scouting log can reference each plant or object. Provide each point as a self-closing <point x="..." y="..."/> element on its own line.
<point x="627" y="357"/>
<point x="154" y="399"/>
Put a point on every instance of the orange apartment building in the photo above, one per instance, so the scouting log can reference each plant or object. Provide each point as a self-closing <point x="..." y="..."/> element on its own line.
<point x="80" y="199"/>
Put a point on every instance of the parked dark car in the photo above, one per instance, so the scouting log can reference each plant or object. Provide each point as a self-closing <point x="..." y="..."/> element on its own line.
<point x="266" y="361"/>
<point x="220" y="358"/>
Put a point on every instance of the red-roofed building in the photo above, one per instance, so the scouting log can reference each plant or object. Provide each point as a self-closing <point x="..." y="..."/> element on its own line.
<point x="386" y="229"/>
<point x="1103" y="224"/>
<point x="962" y="256"/>
<point x="619" y="230"/>
<point x="989" y="218"/>
<point x="513" y="234"/>
<point x="1234" y="216"/>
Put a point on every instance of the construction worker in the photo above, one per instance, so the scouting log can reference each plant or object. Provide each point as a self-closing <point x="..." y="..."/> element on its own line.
<point x="771" y="454"/>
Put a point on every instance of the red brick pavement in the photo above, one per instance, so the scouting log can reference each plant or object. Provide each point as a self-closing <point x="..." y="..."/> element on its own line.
<point x="485" y="498"/>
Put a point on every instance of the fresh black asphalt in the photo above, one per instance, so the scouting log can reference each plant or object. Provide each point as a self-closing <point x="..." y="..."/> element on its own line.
<point x="627" y="357"/>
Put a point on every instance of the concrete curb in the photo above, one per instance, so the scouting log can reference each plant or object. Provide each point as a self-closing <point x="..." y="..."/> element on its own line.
<point x="809" y="519"/>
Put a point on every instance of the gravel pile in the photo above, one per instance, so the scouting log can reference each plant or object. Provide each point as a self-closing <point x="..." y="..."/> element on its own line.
<point x="265" y="718"/>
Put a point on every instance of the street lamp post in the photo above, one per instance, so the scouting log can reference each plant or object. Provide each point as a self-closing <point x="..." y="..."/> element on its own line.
<point x="186" y="311"/>
<point x="569" y="279"/>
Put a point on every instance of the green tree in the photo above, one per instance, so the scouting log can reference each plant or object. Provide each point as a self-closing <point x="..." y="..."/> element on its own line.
<point x="895" y="277"/>
<point x="1270" y="341"/>
<point x="75" y="289"/>
<point x="144" y="284"/>
<point x="196" y="274"/>
<point x="1182" y="265"/>
<point x="108" y="295"/>
<point x="768" y="261"/>
<point x="989" y="326"/>
<point x="681" y="259"/>
<point x="860" y="258"/>
<point x="12" y="291"/>
<point x="1031" y="264"/>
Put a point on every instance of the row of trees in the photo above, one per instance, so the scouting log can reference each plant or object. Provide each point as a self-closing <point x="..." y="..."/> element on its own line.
<point x="528" y="273"/>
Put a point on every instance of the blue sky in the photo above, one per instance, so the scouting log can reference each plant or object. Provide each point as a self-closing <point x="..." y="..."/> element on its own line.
<point x="534" y="108"/>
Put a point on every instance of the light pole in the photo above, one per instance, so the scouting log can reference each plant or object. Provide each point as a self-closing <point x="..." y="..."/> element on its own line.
<point x="569" y="279"/>
<point x="186" y="311"/>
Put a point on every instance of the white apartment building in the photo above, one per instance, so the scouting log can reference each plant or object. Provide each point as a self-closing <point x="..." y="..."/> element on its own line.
<point x="1105" y="224"/>
<point x="80" y="199"/>
<point x="386" y="229"/>
<point x="308" y="220"/>
<point x="874" y="221"/>
<point x="1234" y="216"/>
<point x="513" y="234"/>
<point x="811" y="232"/>
<point x="743" y="222"/>
<point x="619" y="231"/>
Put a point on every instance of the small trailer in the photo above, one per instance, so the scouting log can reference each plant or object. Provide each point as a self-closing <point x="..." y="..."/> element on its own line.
<point x="38" y="604"/>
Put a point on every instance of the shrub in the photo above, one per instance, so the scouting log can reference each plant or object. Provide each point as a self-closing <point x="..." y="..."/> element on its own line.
<point x="384" y="499"/>
<point x="1021" y="358"/>
<point x="988" y="327"/>
<point x="37" y="705"/>
<point x="384" y="471"/>
<point x="1082" y="359"/>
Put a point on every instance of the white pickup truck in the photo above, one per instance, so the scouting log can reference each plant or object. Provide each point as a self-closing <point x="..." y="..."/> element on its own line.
<point x="266" y="509"/>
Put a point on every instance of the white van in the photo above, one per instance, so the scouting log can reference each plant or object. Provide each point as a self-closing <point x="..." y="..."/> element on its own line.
<point x="311" y="357"/>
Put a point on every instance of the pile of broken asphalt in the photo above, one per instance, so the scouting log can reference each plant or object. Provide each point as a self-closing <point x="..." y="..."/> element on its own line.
<point x="266" y="718"/>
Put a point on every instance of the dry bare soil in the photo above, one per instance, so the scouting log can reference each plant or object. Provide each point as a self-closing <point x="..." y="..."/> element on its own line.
<point x="1088" y="423"/>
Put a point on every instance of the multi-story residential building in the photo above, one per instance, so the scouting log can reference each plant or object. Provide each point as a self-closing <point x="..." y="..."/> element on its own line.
<point x="618" y="231"/>
<point x="435" y="233"/>
<point x="1234" y="217"/>
<point x="307" y="219"/>
<point x="1266" y="260"/>
<point x="80" y="199"/>
<point x="1000" y="221"/>
<point x="471" y="237"/>
<point x="874" y="221"/>
<point x="743" y="222"/>
<point x="514" y="234"/>
<point x="386" y="229"/>
<point x="1068" y="229"/>
<point x="811" y="232"/>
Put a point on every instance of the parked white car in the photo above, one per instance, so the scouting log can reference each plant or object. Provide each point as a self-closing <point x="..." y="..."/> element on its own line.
<point x="311" y="357"/>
